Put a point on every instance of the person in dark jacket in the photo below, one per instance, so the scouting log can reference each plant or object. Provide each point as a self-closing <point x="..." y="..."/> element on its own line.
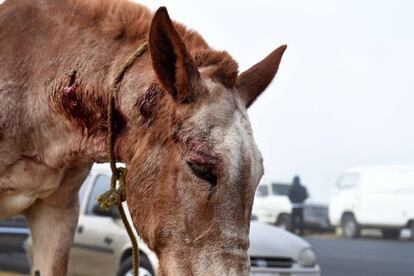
<point x="297" y="195"/>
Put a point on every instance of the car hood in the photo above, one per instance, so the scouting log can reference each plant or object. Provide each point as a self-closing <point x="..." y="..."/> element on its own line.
<point x="271" y="241"/>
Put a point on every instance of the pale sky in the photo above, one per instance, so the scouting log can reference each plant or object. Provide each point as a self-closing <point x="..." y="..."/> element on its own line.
<point x="344" y="93"/>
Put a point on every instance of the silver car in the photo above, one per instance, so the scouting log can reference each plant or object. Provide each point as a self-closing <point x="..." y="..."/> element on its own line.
<point x="102" y="247"/>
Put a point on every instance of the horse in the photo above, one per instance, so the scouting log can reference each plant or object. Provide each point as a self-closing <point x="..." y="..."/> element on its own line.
<point x="180" y="125"/>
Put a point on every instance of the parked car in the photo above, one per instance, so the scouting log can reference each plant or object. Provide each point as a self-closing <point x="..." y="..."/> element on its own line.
<point x="316" y="217"/>
<point x="102" y="247"/>
<point x="275" y="251"/>
<point x="375" y="197"/>
<point x="271" y="203"/>
<point x="272" y="206"/>
<point x="13" y="233"/>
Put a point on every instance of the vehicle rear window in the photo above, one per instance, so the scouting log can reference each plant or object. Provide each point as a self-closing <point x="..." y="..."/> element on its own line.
<point x="280" y="189"/>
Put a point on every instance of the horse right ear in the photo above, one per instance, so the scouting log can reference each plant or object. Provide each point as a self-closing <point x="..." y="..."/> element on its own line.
<point x="252" y="82"/>
<point x="171" y="60"/>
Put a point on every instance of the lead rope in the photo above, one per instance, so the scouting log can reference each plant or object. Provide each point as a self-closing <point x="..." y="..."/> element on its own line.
<point x="115" y="196"/>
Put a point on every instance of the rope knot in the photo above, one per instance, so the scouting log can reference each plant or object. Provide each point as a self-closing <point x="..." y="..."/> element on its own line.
<point x="115" y="196"/>
<point x="109" y="199"/>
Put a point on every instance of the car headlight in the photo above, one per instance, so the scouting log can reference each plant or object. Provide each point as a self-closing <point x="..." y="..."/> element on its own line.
<point x="307" y="258"/>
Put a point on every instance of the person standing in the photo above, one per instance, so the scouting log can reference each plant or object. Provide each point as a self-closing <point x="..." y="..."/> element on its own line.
<point x="297" y="196"/>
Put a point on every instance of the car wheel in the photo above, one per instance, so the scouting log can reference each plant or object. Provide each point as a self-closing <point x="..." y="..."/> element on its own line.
<point x="283" y="221"/>
<point x="393" y="234"/>
<point x="350" y="228"/>
<point x="145" y="268"/>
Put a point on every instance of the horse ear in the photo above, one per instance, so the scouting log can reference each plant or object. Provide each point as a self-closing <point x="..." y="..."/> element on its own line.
<point x="171" y="60"/>
<point x="252" y="82"/>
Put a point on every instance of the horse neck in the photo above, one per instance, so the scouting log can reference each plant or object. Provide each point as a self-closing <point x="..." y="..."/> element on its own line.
<point x="80" y="93"/>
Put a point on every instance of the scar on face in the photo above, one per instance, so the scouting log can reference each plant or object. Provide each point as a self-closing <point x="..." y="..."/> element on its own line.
<point x="201" y="153"/>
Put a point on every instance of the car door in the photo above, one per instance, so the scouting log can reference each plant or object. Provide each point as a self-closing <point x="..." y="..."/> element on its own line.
<point x="378" y="202"/>
<point x="404" y="195"/>
<point x="346" y="198"/>
<point x="95" y="239"/>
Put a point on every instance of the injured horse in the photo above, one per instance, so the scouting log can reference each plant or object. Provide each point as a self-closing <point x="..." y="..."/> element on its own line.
<point x="180" y="125"/>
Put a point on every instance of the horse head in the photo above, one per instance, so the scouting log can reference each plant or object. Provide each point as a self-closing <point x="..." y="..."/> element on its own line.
<point x="193" y="174"/>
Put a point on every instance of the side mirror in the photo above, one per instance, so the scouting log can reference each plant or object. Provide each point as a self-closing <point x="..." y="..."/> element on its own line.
<point x="111" y="212"/>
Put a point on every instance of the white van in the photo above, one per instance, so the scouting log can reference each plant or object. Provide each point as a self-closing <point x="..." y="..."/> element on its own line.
<point x="271" y="203"/>
<point x="374" y="197"/>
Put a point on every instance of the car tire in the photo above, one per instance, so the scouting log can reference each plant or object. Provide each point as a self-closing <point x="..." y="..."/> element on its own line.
<point x="392" y="234"/>
<point x="283" y="221"/>
<point x="350" y="227"/>
<point x="145" y="268"/>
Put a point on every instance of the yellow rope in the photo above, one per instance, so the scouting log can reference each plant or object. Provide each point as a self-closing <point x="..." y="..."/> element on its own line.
<point x="115" y="196"/>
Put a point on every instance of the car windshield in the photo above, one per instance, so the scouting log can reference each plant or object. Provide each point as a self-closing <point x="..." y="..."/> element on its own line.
<point x="101" y="185"/>
<point x="349" y="180"/>
<point x="82" y="191"/>
<point x="262" y="191"/>
<point x="280" y="189"/>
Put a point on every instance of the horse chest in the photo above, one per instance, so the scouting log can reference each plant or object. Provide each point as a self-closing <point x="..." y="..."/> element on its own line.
<point x="23" y="182"/>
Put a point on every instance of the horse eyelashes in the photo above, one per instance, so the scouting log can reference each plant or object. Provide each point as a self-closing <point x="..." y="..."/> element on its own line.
<point x="204" y="173"/>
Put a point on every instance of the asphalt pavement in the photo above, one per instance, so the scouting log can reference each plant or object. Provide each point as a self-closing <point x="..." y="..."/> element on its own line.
<point x="364" y="257"/>
<point x="337" y="257"/>
<point x="15" y="262"/>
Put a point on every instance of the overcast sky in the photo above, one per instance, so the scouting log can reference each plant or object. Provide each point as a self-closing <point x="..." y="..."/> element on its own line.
<point x="344" y="94"/>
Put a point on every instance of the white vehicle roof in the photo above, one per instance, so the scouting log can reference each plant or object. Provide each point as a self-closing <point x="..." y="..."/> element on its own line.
<point x="104" y="168"/>
<point x="393" y="168"/>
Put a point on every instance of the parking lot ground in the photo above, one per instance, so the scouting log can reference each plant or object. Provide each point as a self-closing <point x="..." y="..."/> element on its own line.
<point x="14" y="264"/>
<point x="368" y="234"/>
<point x="5" y="273"/>
<point x="364" y="257"/>
<point x="370" y="256"/>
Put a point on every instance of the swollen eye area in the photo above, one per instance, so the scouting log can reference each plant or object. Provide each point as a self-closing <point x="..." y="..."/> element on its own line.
<point x="204" y="173"/>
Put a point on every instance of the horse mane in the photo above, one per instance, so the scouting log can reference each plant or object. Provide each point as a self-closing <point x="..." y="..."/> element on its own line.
<point x="122" y="19"/>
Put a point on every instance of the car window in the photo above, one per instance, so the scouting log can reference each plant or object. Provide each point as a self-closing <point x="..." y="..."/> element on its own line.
<point x="280" y="189"/>
<point x="100" y="186"/>
<point x="262" y="191"/>
<point x="349" y="180"/>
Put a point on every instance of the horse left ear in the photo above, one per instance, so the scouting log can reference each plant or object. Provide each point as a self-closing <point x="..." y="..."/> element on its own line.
<point x="252" y="82"/>
<point x="171" y="60"/>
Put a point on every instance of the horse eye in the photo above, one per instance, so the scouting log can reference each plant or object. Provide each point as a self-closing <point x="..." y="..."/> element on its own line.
<point x="204" y="173"/>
